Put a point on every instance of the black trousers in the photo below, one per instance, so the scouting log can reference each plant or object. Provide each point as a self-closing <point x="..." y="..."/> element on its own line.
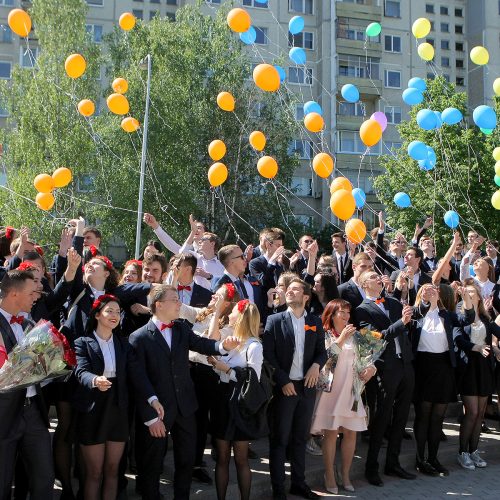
<point x="31" y="443"/>
<point x="290" y="422"/>
<point x="394" y="395"/>
<point x="150" y="452"/>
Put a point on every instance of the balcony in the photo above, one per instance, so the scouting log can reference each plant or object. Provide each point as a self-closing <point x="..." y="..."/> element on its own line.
<point x="351" y="39"/>
<point x="362" y="72"/>
<point x="370" y="10"/>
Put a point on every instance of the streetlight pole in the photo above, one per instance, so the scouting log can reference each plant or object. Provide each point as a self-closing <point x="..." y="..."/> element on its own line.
<point x="143" y="162"/>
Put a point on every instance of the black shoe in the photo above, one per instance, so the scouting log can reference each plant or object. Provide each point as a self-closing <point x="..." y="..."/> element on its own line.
<point x="407" y="435"/>
<point x="443" y="437"/>
<point x="485" y="429"/>
<point x="374" y="479"/>
<point x="398" y="471"/>
<point x="303" y="491"/>
<point x="440" y="469"/>
<point x="201" y="476"/>
<point x="426" y="468"/>
<point x="252" y="455"/>
<point x="279" y="495"/>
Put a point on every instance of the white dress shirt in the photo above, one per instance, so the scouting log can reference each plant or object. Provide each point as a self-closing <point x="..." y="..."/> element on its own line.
<point x="360" y="290"/>
<point x="108" y="352"/>
<point x="433" y="336"/>
<point x="297" y="369"/>
<point x="166" y="333"/>
<point x="185" y="295"/>
<point x="252" y="348"/>
<point x="96" y="293"/>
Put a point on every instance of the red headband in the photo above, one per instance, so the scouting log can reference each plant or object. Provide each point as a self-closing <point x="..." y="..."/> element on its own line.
<point x="134" y="261"/>
<point x="106" y="297"/>
<point x="26" y="266"/>
<point x="39" y="250"/>
<point x="242" y="305"/>
<point x="93" y="250"/>
<point x="9" y="230"/>
<point x="107" y="262"/>
<point x="230" y="291"/>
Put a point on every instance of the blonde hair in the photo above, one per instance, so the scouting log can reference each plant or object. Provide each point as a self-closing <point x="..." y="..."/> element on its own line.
<point x="247" y="324"/>
<point x="207" y="311"/>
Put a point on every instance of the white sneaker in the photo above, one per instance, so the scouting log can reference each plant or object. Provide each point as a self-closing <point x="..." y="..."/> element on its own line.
<point x="478" y="461"/>
<point x="313" y="448"/>
<point x="465" y="461"/>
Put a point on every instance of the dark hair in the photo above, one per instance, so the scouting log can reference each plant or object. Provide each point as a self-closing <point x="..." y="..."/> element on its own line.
<point x="157" y="293"/>
<point x="224" y="253"/>
<point x="491" y="269"/>
<point x="447" y="297"/>
<point x="34" y="256"/>
<point x="156" y="258"/>
<point x="91" y="229"/>
<point x="331" y="309"/>
<point x="113" y="279"/>
<point x="152" y="243"/>
<point x="493" y="243"/>
<point x="6" y="236"/>
<point x="306" y="287"/>
<point x="138" y="268"/>
<point x="89" y="253"/>
<point x="339" y="235"/>
<point x="188" y="259"/>
<point x="213" y="238"/>
<point x="100" y="303"/>
<point x="418" y="253"/>
<point x="14" y="280"/>
<point x="329" y="283"/>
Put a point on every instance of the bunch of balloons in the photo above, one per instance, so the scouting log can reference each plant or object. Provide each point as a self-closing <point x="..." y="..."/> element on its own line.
<point x="370" y="132"/>
<point x="313" y="116"/>
<point x="425" y="155"/>
<point x="296" y="54"/>
<point x="45" y="184"/>
<point x="414" y="94"/>
<point x="342" y="201"/>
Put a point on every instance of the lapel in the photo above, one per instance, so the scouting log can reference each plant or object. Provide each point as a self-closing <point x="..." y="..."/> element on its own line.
<point x="355" y="290"/>
<point x="287" y="327"/>
<point x="375" y="310"/>
<point x="118" y="353"/>
<point x="8" y="335"/>
<point x="310" y="336"/>
<point x="176" y="335"/>
<point x="158" y="337"/>
<point x="194" y="295"/>
<point x="94" y="346"/>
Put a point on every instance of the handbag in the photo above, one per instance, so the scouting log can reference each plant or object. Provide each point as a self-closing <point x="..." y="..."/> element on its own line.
<point x="325" y="378"/>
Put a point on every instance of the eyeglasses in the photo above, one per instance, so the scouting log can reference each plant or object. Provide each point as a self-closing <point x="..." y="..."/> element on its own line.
<point x="238" y="257"/>
<point x="308" y="241"/>
<point x="175" y="301"/>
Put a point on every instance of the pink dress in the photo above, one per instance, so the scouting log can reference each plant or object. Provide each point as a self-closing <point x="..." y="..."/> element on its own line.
<point x="333" y="409"/>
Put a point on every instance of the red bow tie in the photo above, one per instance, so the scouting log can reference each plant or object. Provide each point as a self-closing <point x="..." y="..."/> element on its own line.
<point x="17" y="319"/>
<point x="380" y="301"/>
<point x="312" y="328"/>
<point x="166" y="325"/>
<point x="182" y="287"/>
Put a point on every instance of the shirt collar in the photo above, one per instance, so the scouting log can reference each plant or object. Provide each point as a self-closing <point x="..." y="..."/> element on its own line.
<point x="289" y="310"/>
<point x="232" y="276"/>
<point x="157" y="323"/>
<point x="96" y="293"/>
<point x="102" y="341"/>
<point x="6" y="315"/>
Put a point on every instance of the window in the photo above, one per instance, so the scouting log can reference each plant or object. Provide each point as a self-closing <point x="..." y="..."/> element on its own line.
<point x="445" y="27"/>
<point x="156" y="1"/>
<point x="459" y="13"/>
<point x="253" y="3"/>
<point x="302" y="186"/>
<point x="459" y="63"/>
<point x="171" y="16"/>
<point x="430" y="40"/>
<point x="351" y="109"/>
<point x="359" y="67"/>
<point x="392" y="8"/>
<point x="298" y="75"/>
<point x="5" y="69"/>
<point x="459" y="29"/>
<point x="445" y="44"/>
<point x="460" y="81"/>
<point x="302" y="6"/>
<point x="153" y="14"/>
<point x="429" y="8"/>
<point x="299" y="112"/>
<point x="303" y="149"/>
<point x="432" y="25"/>
<point x="392" y="146"/>
<point x="392" y="43"/>
<point x="431" y="76"/>
<point x="392" y="79"/>
<point x="349" y="142"/>
<point x="393" y="114"/>
<point x="443" y="10"/>
<point x="213" y="1"/>
<point x="361" y="179"/>
<point x="95" y="32"/>
<point x="459" y="47"/>
<point x="139" y="14"/>
<point x="27" y="57"/>
<point x="3" y="109"/>
<point x="305" y="39"/>
<point x="95" y="3"/>
<point x="261" y="36"/>
<point x="445" y="62"/>
<point x="5" y="33"/>
<point x="170" y="2"/>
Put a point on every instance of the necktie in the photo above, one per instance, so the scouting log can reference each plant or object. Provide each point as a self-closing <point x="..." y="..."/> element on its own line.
<point x="241" y="288"/>
<point x="17" y="319"/>
<point x="182" y="287"/>
<point x="308" y="327"/>
<point x="166" y="325"/>
<point x="341" y="269"/>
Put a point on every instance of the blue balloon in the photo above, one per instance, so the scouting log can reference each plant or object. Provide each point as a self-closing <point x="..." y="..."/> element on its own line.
<point x="312" y="107"/>
<point x="249" y="36"/>
<point x="402" y="200"/>
<point x="296" y="25"/>
<point x="451" y="219"/>
<point x="431" y="156"/>
<point x="425" y="165"/>
<point x="297" y="55"/>
<point x="417" y="150"/>
<point x="471" y="270"/>
<point x="426" y="119"/>
<point x="417" y="83"/>
<point x="485" y="117"/>
<point x="350" y="92"/>
<point x="439" y="121"/>
<point x="281" y="72"/>
<point x="451" y="116"/>
<point x="359" y="197"/>
<point x="412" y="96"/>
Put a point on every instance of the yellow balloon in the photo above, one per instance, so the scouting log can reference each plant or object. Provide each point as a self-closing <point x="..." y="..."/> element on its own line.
<point x="496" y="153"/>
<point x="120" y="85"/>
<point x="323" y="165"/>
<point x="225" y="101"/>
<point x="497" y="168"/>
<point x="426" y="51"/>
<point x="340" y="183"/>
<point x="75" y="65"/>
<point x="343" y="204"/>
<point x="43" y="183"/>
<point x="216" y="150"/>
<point x="217" y="174"/>
<point x="266" y="77"/>
<point x="314" y="122"/>
<point x="45" y="201"/>
<point x="239" y="20"/>
<point x="126" y="21"/>
<point x="267" y="167"/>
<point x="258" y="140"/>
<point x="479" y="55"/>
<point x="421" y="27"/>
<point x="62" y="177"/>
<point x="86" y="107"/>
<point x="130" y="124"/>
<point x="355" y="230"/>
<point x="496" y="86"/>
<point x="495" y="199"/>
<point x="19" y="22"/>
<point x="118" y="104"/>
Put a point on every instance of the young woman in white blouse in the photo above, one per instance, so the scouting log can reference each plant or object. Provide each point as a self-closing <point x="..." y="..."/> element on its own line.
<point x="245" y="319"/>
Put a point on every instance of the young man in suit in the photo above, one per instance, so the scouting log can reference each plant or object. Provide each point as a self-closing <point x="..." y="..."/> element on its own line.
<point x="299" y="262"/>
<point x="395" y="377"/>
<point x="190" y="292"/>
<point x="162" y="348"/>
<point x="294" y="345"/>
<point x="492" y="252"/>
<point x="341" y="257"/>
<point x="351" y="290"/>
<point x="23" y="414"/>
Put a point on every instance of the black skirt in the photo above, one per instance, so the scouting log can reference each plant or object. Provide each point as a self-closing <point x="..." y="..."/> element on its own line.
<point x="477" y="377"/>
<point x="434" y="378"/>
<point x="105" y="422"/>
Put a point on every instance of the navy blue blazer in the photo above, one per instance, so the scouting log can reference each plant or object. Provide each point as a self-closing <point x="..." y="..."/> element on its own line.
<point x="267" y="274"/>
<point x="200" y="296"/>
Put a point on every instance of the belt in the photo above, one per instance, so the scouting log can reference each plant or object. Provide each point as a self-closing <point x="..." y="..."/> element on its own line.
<point x="29" y="401"/>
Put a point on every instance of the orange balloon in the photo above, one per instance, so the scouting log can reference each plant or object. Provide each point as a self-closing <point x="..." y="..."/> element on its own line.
<point x="217" y="174"/>
<point x="355" y="230"/>
<point x="130" y="124"/>
<point x="266" y="77"/>
<point x="323" y="165"/>
<point x="370" y="132"/>
<point x="19" y="22"/>
<point x="118" y="104"/>
<point x="126" y="21"/>
<point x="62" y="177"/>
<point x="257" y="140"/>
<point x="239" y="20"/>
<point x="343" y="204"/>
<point x="75" y="65"/>
<point x="267" y="167"/>
<point x="225" y="101"/>
<point x="120" y="85"/>
<point x="340" y="183"/>
<point x="314" y="122"/>
<point x="45" y="201"/>
<point x="86" y="107"/>
<point x="43" y="183"/>
<point x="216" y="150"/>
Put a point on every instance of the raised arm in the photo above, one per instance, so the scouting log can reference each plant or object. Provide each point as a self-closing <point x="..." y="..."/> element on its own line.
<point x="436" y="277"/>
<point x="165" y="238"/>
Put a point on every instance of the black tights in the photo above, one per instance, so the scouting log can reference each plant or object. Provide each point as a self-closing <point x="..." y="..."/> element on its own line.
<point x="243" y="472"/>
<point x="427" y="427"/>
<point x="470" y="428"/>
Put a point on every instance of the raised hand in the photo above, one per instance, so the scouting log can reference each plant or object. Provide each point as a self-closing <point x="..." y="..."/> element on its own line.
<point x="407" y="314"/>
<point x="230" y="343"/>
<point x="74" y="260"/>
<point x="65" y="243"/>
<point x="150" y="220"/>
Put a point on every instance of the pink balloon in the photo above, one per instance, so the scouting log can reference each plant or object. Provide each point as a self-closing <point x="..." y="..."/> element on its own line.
<point x="380" y="117"/>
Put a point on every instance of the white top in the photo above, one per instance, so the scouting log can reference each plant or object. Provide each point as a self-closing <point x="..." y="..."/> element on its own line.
<point x="297" y="369"/>
<point x="96" y="293"/>
<point x="485" y="286"/>
<point x="166" y="333"/>
<point x="238" y="358"/>
<point x="478" y="333"/>
<point x="185" y="295"/>
<point x="433" y="337"/>
<point x="108" y="351"/>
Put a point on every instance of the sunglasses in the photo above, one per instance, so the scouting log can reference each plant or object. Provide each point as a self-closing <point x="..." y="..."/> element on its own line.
<point x="239" y="257"/>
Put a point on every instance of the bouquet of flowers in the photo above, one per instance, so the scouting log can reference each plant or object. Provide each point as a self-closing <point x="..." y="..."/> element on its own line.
<point x="369" y="346"/>
<point x="42" y="354"/>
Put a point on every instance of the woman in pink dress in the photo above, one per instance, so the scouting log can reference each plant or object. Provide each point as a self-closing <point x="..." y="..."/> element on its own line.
<point x="333" y="411"/>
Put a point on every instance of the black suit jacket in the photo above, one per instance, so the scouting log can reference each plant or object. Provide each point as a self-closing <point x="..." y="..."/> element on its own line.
<point x="200" y="296"/>
<point x="348" y="272"/>
<point x="412" y="295"/>
<point x="349" y="291"/>
<point x="267" y="274"/>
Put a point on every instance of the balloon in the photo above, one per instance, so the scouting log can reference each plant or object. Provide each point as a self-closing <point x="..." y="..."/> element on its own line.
<point x="130" y="124"/>
<point x="267" y="167"/>
<point x="340" y="183"/>
<point x="323" y="165"/>
<point x="216" y="150"/>
<point x="118" y="104"/>
<point x="479" y="55"/>
<point x="45" y="201"/>
<point x="421" y="27"/>
<point x="425" y="165"/>
<point x="239" y="20"/>
<point x="86" y="107"/>
<point x="380" y="117"/>
<point x="417" y="150"/>
<point x="43" y="183"/>
<point x="257" y="140"/>
<point x="486" y="131"/>
<point x="281" y="72"/>
<point x="126" y="21"/>
<point x="314" y="122"/>
<point x="451" y="116"/>
<point x="296" y="25"/>
<point x="417" y="83"/>
<point x="485" y="117"/>
<point x="439" y="121"/>
<point x="497" y="180"/>
<point x="497" y="168"/>
<point x="370" y="132"/>
<point x="217" y="174"/>
<point x="19" y="22"/>
<point x="312" y="107"/>
<point x="426" y="51"/>
<point x="249" y="37"/>
<point x="359" y="197"/>
<point x="471" y="270"/>
<point x="451" y="219"/>
<point x="496" y="153"/>
<point x="430" y="162"/>
<point x="373" y="29"/>
<point x="350" y="92"/>
<point x="225" y="101"/>
<point x="266" y="77"/>
<point x="402" y="200"/>
<point x="426" y="119"/>
<point x="120" y="85"/>
<point x="62" y="177"/>
<point x="75" y="65"/>
<point x="342" y="204"/>
<point x="412" y="96"/>
<point x="496" y="86"/>
<point x="355" y="230"/>
<point x="297" y="55"/>
<point x="495" y="200"/>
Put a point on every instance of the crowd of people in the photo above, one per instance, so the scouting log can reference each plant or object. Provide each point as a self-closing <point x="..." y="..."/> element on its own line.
<point x="218" y="346"/>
